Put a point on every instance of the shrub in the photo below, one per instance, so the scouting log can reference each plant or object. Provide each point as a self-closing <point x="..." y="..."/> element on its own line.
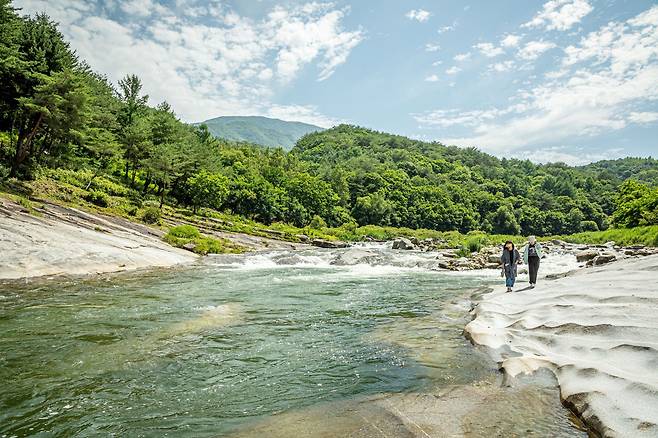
<point x="208" y="245"/>
<point x="104" y="185"/>
<point x="151" y="215"/>
<point x="317" y="223"/>
<point x="97" y="198"/>
<point x="474" y="243"/>
<point x="184" y="232"/>
<point x="589" y="226"/>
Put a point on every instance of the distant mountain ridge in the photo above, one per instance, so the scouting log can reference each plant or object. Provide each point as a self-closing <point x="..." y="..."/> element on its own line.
<point x="260" y="130"/>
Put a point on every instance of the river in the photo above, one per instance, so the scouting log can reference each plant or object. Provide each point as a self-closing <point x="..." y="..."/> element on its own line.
<point x="360" y="342"/>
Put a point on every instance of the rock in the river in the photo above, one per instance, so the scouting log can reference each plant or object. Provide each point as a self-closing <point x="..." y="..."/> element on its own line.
<point x="302" y="237"/>
<point x="586" y="255"/>
<point x="403" y="243"/>
<point x="604" y="258"/>
<point x="334" y="244"/>
<point x="355" y="256"/>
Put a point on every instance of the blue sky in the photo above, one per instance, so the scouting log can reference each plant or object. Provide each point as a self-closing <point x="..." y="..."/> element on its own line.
<point x="557" y="80"/>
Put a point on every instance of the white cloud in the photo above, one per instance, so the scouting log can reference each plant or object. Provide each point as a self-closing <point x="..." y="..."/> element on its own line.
<point x="431" y="47"/>
<point x="453" y="70"/>
<point x="602" y="82"/>
<point x="437" y="63"/>
<point x="560" y="14"/>
<point x="142" y="8"/>
<point x="462" y="57"/>
<point x="510" y="41"/>
<point x="419" y="15"/>
<point x="502" y="66"/>
<point x="302" y="113"/>
<point x="489" y="50"/>
<point x="533" y="49"/>
<point x="432" y="78"/>
<point x="447" y="118"/>
<point x="643" y="117"/>
<point x="449" y="28"/>
<point x="569" y="155"/>
<point x="216" y="61"/>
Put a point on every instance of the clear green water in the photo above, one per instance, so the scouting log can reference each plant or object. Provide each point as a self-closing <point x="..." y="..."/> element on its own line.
<point x="214" y="349"/>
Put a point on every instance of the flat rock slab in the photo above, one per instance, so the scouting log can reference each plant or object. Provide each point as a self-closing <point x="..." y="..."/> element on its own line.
<point x="66" y="241"/>
<point x="597" y="330"/>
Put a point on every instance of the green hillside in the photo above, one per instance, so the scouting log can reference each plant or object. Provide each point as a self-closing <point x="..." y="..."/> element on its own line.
<point x="70" y="135"/>
<point x="259" y="130"/>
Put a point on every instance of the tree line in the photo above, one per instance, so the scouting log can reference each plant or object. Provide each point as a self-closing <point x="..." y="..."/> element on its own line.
<point x="57" y="113"/>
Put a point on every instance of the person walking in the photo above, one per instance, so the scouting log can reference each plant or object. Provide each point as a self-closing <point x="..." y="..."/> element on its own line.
<point x="510" y="259"/>
<point x="531" y="257"/>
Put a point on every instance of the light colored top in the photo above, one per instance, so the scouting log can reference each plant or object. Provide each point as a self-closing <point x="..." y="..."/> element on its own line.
<point x="525" y="252"/>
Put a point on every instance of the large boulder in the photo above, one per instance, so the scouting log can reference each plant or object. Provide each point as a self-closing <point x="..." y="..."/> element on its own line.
<point x="355" y="256"/>
<point x="604" y="258"/>
<point x="403" y="243"/>
<point x="493" y="258"/>
<point x="586" y="255"/>
<point x="333" y="244"/>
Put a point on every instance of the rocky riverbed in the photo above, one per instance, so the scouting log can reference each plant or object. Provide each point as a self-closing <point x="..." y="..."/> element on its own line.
<point x="489" y="257"/>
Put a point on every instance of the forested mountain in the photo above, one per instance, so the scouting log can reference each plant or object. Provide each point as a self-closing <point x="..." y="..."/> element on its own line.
<point x="641" y="169"/>
<point x="80" y="137"/>
<point x="384" y="178"/>
<point x="259" y="130"/>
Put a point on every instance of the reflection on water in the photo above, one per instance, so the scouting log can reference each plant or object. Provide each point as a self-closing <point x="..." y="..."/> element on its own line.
<point x="319" y="343"/>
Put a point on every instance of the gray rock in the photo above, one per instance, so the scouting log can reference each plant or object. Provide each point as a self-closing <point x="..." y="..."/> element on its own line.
<point x="355" y="256"/>
<point x="493" y="258"/>
<point x="603" y="259"/>
<point x="444" y="264"/>
<point x="302" y="237"/>
<point x="637" y="252"/>
<point x="333" y="244"/>
<point x="586" y="255"/>
<point x="189" y="246"/>
<point x="492" y="266"/>
<point x="403" y="243"/>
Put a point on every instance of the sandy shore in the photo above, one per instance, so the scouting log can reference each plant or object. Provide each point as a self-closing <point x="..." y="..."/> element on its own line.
<point x="597" y="330"/>
<point x="66" y="241"/>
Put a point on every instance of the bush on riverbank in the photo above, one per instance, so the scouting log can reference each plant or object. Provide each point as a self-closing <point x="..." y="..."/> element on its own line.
<point x="647" y="236"/>
<point x="189" y="237"/>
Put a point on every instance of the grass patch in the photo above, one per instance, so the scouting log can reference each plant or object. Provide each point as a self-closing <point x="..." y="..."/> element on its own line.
<point x="647" y="236"/>
<point x="187" y="235"/>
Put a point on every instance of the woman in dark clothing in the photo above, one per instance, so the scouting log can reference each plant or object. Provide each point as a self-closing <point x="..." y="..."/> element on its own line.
<point x="531" y="257"/>
<point x="509" y="259"/>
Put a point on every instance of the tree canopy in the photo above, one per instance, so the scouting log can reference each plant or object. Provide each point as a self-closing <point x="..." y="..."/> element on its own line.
<point x="57" y="113"/>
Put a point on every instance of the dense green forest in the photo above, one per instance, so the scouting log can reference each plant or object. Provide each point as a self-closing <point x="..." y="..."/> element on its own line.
<point x="61" y="121"/>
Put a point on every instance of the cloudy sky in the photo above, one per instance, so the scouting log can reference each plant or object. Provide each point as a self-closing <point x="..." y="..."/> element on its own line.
<point x="567" y="80"/>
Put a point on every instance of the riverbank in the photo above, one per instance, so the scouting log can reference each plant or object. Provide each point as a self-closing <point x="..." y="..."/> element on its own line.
<point x="596" y="330"/>
<point x="55" y="241"/>
<point x="47" y="239"/>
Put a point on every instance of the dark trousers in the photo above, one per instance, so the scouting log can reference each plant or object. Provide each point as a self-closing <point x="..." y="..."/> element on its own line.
<point x="533" y="267"/>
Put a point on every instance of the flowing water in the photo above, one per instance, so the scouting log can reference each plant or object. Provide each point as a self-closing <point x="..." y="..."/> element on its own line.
<point x="358" y="342"/>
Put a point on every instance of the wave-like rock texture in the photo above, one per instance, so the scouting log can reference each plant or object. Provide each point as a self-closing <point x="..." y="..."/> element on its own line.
<point x="597" y="330"/>
<point x="67" y="241"/>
